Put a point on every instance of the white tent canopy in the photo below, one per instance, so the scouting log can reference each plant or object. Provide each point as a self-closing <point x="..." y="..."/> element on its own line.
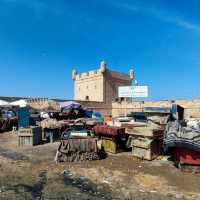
<point x="3" y="103"/>
<point x="20" y="103"/>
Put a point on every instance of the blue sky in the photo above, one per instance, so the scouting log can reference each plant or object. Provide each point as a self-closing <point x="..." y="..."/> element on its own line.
<point x="41" y="41"/>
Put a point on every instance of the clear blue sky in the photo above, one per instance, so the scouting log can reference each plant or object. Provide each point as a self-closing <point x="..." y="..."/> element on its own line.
<point x="42" y="40"/>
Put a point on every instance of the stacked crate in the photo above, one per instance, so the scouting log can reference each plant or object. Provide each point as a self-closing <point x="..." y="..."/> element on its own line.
<point x="113" y="139"/>
<point x="29" y="136"/>
<point x="146" y="143"/>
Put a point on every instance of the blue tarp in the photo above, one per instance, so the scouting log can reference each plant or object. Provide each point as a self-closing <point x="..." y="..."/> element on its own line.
<point x="98" y="116"/>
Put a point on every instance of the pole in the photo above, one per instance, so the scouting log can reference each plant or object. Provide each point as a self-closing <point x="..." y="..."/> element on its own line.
<point x="125" y="107"/>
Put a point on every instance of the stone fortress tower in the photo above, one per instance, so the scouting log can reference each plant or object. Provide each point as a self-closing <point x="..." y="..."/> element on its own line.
<point x="100" y="85"/>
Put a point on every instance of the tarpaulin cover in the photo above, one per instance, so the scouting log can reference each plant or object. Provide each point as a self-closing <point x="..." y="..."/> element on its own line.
<point x="3" y="103"/>
<point x="97" y="116"/>
<point x="177" y="135"/>
<point x="69" y="105"/>
<point x="7" y="124"/>
<point x="20" y="103"/>
<point x="104" y="130"/>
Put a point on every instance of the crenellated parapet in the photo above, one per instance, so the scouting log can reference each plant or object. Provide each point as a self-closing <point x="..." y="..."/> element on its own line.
<point x="89" y="74"/>
<point x="100" y="71"/>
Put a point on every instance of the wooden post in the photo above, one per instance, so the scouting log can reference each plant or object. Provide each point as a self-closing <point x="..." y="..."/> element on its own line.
<point x="125" y="107"/>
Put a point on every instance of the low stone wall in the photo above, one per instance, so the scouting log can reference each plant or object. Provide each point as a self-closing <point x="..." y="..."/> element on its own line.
<point x="104" y="109"/>
<point x="101" y="107"/>
<point x="192" y="107"/>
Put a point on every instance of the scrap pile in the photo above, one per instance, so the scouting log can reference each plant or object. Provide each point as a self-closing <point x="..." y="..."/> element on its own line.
<point x="183" y="143"/>
<point x="142" y="135"/>
<point x="182" y="139"/>
<point x="145" y="141"/>
<point x="76" y="148"/>
<point x="72" y="115"/>
<point x="143" y="131"/>
<point x="50" y="123"/>
<point x="71" y="110"/>
<point x="78" y="142"/>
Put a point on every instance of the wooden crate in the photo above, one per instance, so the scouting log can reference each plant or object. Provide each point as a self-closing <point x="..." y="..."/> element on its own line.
<point x="29" y="136"/>
<point x="146" y="148"/>
<point x="145" y="131"/>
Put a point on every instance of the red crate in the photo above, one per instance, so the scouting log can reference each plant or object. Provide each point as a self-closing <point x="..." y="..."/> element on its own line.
<point x="186" y="156"/>
<point x="103" y="130"/>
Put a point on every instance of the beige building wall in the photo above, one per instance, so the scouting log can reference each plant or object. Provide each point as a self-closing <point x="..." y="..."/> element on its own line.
<point x="112" y="81"/>
<point x="101" y="107"/>
<point x="89" y="87"/>
<point x="192" y="107"/>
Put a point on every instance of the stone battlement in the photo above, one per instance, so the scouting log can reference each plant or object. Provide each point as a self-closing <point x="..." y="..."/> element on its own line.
<point x="89" y="74"/>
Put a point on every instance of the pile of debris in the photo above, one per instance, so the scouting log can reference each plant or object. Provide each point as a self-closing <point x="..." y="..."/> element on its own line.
<point x="77" y="148"/>
<point x="182" y="141"/>
<point x="145" y="141"/>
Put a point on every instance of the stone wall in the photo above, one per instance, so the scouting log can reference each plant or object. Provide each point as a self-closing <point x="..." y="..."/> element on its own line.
<point x="44" y="104"/>
<point x="104" y="109"/>
<point x="192" y="107"/>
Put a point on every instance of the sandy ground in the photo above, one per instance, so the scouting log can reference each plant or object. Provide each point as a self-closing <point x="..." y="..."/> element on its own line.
<point x="31" y="173"/>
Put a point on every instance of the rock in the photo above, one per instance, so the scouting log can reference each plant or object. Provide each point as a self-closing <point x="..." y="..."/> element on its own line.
<point x="153" y="191"/>
<point x="99" y="187"/>
<point x="179" y="196"/>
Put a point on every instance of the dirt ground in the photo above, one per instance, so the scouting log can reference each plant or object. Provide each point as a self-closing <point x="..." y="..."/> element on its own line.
<point x="31" y="173"/>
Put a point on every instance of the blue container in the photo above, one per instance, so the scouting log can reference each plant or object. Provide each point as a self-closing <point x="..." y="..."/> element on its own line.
<point x="23" y="117"/>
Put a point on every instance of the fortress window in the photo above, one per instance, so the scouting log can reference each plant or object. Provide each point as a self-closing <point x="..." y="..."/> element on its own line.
<point x="87" y="98"/>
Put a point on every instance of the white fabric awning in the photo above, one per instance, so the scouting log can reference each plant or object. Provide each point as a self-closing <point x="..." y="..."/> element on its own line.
<point x="3" y="103"/>
<point x="20" y="103"/>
